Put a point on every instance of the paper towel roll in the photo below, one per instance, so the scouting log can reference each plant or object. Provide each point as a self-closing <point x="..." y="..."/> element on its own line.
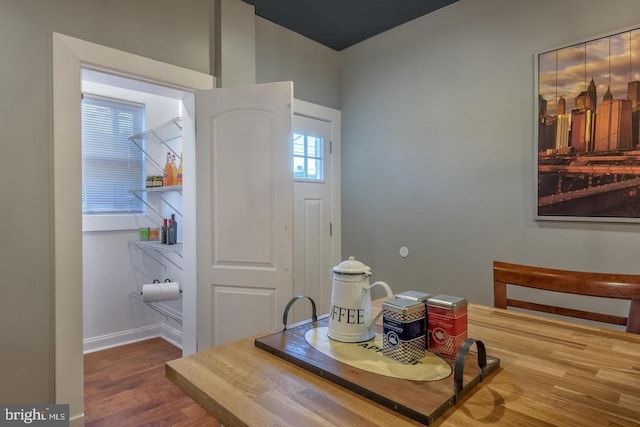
<point x="160" y="291"/>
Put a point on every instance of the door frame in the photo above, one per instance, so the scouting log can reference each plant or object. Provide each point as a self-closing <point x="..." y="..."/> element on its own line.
<point x="333" y="117"/>
<point x="69" y="55"/>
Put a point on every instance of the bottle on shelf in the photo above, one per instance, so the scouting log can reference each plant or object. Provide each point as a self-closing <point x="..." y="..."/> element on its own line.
<point x="179" y="175"/>
<point x="174" y="170"/>
<point x="175" y="228"/>
<point x="163" y="235"/>
<point x="170" y="234"/>
<point x="167" y="178"/>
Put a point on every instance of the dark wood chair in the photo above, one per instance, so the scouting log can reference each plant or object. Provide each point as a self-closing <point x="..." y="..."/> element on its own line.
<point x="619" y="286"/>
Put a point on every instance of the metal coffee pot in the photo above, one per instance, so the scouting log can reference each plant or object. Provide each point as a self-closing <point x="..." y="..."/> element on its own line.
<point x="350" y="317"/>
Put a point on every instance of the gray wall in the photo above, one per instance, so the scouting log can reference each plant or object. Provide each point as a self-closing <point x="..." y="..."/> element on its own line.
<point x="176" y="32"/>
<point x="284" y="55"/>
<point x="438" y="147"/>
<point x="437" y="144"/>
<point x="169" y="31"/>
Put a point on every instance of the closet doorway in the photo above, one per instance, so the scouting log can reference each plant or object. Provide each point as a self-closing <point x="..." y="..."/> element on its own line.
<point x="70" y="56"/>
<point x="116" y="263"/>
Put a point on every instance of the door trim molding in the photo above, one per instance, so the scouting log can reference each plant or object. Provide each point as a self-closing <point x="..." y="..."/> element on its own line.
<point x="333" y="117"/>
<point x="69" y="55"/>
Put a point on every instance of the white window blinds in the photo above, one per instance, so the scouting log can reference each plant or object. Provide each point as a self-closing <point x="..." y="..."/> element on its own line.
<point x="111" y="164"/>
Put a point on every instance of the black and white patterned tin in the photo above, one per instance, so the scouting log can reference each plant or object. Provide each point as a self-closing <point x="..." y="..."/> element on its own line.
<point x="403" y="330"/>
<point x="423" y="297"/>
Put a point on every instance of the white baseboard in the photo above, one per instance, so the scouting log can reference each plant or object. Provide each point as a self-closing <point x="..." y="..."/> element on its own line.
<point x="172" y="335"/>
<point x="117" y="339"/>
<point x="77" y="421"/>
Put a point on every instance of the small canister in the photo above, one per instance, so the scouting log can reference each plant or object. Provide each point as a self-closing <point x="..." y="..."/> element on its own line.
<point x="414" y="296"/>
<point x="403" y="330"/>
<point x="447" y="324"/>
<point x="417" y="296"/>
<point x="144" y="234"/>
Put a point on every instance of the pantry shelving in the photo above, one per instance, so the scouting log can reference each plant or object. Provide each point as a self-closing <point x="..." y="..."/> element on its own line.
<point x="157" y="246"/>
<point x="162" y="134"/>
<point x="159" y="191"/>
<point x="153" y="259"/>
<point x="177" y="188"/>
<point x="160" y="251"/>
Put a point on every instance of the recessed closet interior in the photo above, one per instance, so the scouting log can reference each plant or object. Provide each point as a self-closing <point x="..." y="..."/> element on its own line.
<point x="115" y="264"/>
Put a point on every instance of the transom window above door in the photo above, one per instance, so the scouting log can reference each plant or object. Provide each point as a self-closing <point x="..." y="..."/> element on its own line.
<point x="308" y="162"/>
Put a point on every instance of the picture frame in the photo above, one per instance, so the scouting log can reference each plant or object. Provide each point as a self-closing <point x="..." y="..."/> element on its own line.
<point x="586" y="132"/>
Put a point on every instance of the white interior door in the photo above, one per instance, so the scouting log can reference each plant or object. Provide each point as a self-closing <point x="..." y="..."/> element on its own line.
<point x="245" y="210"/>
<point x="312" y="218"/>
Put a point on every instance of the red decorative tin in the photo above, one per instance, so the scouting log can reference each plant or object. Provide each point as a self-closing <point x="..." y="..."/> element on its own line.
<point x="446" y="324"/>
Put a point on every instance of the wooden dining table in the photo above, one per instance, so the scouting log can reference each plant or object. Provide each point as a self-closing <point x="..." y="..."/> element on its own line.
<point x="551" y="373"/>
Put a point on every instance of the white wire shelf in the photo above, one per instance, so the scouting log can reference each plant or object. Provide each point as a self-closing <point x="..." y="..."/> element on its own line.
<point x="153" y="244"/>
<point x="177" y="188"/>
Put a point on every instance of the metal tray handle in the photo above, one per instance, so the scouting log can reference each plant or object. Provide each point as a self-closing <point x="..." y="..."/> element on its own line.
<point x="458" y="371"/>
<point x="314" y="316"/>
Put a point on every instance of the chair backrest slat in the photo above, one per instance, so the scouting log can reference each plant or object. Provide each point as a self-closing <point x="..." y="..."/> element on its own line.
<point x="608" y="285"/>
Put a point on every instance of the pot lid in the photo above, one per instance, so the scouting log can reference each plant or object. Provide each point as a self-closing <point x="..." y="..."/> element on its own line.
<point x="352" y="266"/>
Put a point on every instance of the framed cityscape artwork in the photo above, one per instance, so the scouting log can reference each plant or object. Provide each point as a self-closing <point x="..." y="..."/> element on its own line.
<point x="587" y="150"/>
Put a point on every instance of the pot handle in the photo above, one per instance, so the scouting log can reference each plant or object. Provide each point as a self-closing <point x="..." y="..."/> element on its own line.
<point x="389" y="296"/>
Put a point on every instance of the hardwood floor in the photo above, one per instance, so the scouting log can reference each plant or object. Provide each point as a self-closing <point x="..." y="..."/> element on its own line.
<point x="126" y="387"/>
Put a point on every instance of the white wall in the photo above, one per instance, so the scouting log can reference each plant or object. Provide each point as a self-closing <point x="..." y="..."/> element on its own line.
<point x="438" y="147"/>
<point x="111" y="268"/>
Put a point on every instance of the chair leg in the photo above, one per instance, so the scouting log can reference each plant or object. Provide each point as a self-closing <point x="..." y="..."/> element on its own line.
<point x="499" y="294"/>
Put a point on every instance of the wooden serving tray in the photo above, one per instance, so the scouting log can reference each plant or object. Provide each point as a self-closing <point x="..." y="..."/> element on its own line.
<point x="423" y="401"/>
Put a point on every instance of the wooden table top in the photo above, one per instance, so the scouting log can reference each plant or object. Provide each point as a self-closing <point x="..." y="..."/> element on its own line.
<point x="551" y="373"/>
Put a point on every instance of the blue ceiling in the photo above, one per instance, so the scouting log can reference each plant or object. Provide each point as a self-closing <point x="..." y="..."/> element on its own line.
<point x="339" y="24"/>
